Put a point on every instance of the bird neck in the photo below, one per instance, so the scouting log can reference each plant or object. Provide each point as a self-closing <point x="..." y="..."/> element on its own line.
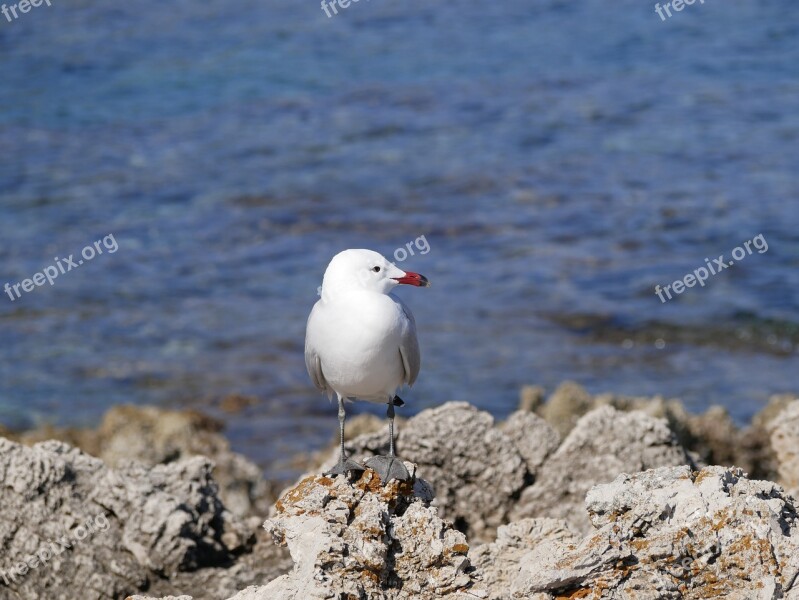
<point x="335" y="293"/>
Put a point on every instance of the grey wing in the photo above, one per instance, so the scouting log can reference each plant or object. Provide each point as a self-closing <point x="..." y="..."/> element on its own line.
<point x="313" y="363"/>
<point x="409" y="347"/>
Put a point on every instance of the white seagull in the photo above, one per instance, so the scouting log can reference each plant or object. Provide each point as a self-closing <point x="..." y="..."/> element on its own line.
<point x="360" y="343"/>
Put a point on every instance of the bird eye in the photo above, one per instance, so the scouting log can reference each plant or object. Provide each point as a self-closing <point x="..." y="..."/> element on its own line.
<point x="376" y="269"/>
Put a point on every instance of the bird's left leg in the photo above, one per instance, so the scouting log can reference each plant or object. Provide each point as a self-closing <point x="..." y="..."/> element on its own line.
<point x="389" y="467"/>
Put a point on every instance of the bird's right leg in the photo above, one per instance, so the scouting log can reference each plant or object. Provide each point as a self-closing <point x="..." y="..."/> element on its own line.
<point x="344" y="465"/>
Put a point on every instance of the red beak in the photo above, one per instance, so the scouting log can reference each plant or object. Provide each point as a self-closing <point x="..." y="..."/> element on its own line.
<point x="412" y="278"/>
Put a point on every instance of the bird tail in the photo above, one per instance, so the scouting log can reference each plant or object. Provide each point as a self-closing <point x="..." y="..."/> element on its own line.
<point x="397" y="401"/>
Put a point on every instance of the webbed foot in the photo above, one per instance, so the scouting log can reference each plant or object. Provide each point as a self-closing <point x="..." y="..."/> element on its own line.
<point x="344" y="467"/>
<point x="388" y="468"/>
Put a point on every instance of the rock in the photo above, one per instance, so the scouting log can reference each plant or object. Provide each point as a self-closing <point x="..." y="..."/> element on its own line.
<point x="710" y="438"/>
<point x="499" y="562"/>
<point x="565" y="406"/>
<point x="714" y="437"/>
<point x="357" y="425"/>
<point x="476" y="469"/>
<point x="163" y="598"/>
<point x="85" y="439"/>
<point x="666" y="533"/>
<point x="236" y="403"/>
<point x="364" y="424"/>
<point x="755" y="453"/>
<point x="364" y="540"/>
<point x="531" y="398"/>
<point x="674" y="533"/>
<point x="99" y="533"/>
<point x="662" y="531"/>
<point x="156" y="436"/>
<point x="776" y="404"/>
<point x="716" y="440"/>
<point x="785" y="443"/>
<point x="604" y="443"/>
<point x="533" y="437"/>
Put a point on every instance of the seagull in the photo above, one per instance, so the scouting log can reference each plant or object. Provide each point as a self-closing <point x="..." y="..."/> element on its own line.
<point x="360" y="343"/>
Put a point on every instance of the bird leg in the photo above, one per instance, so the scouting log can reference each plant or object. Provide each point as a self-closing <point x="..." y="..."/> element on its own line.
<point x="344" y="465"/>
<point x="389" y="467"/>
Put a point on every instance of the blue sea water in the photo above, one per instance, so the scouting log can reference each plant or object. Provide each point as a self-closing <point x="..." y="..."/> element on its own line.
<point x="560" y="158"/>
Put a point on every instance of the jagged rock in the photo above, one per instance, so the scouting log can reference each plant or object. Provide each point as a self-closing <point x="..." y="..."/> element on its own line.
<point x="776" y="404"/>
<point x="533" y="437"/>
<point x="366" y="540"/>
<point x="364" y="424"/>
<point x="145" y="527"/>
<point x="499" y="562"/>
<point x="163" y="598"/>
<point x="565" y="406"/>
<point x="716" y="440"/>
<point x="785" y="443"/>
<point x="664" y="534"/>
<point x="604" y="443"/>
<point x="711" y="437"/>
<point x="752" y="449"/>
<point x="476" y="469"/>
<point x="673" y="533"/>
<point x="156" y="436"/>
<point x="531" y="398"/>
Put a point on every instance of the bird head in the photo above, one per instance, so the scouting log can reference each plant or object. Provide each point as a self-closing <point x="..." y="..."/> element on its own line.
<point x="366" y="270"/>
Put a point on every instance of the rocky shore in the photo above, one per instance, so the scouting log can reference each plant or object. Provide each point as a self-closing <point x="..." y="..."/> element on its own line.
<point x="573" y="496"/>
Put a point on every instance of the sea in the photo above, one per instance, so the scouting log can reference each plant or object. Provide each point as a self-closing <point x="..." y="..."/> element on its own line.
<point x="557" y="160"/>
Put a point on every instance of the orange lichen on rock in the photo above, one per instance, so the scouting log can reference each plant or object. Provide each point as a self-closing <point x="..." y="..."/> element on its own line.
<point x="379" y="541"/>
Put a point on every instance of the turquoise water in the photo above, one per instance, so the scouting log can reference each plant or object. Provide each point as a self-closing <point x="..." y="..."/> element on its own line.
<point x="561" y="160"/>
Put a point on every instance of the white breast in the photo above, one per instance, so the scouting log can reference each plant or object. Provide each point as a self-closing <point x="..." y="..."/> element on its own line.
<point x="357" y="337"/>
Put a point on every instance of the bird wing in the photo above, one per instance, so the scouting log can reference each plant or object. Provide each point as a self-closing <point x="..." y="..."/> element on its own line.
<point x="312" y="360"/>
<point x="409" y="346"/>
